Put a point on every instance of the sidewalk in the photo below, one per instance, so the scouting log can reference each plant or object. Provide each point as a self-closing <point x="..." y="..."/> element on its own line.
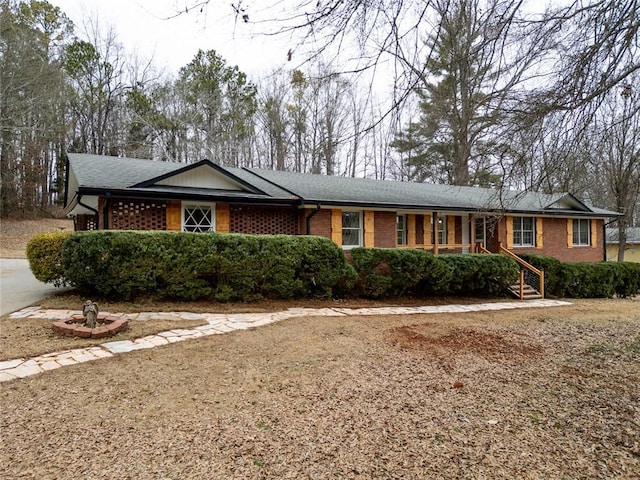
<point x="216" y="324"/>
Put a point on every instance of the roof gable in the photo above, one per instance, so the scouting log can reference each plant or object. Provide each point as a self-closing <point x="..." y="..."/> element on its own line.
<point x="567" y="201"/>
<point x="203" y="174"/>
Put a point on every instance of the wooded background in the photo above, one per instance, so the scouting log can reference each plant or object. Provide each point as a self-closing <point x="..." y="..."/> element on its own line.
<point x="486" y="92"/>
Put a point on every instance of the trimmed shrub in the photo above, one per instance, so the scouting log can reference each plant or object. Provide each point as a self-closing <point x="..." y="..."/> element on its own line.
<point x="556" y="276"/>
<point x="587" y="280"/>
<point x="627" y="279"/>
<point x="394" y="272"/>
<point x="388" y="272"/>
<point x="480" y="274"/>
<point x="590" y="280"/>
<point x="189" y="266"/>
<point x="44" y="252"/>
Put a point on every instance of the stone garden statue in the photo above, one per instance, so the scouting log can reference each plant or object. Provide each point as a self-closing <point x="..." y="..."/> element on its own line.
<point x="90" y="313"/>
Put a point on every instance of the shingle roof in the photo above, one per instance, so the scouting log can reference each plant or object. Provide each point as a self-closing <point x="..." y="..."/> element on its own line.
<point x="96" y="172"/>
<point x="123" y="173"/>
<point x="633" y="235"/>
<point x="361" y="191"/>
<point x="99" y="171"/>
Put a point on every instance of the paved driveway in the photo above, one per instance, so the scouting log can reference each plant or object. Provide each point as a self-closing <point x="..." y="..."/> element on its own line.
<point x="18" y="287"/>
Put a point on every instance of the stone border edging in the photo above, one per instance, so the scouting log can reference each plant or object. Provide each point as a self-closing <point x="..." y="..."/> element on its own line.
<point x="217" y="323"/>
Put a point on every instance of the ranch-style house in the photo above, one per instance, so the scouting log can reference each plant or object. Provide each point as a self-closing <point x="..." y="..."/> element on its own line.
<point x="114" y="193"/>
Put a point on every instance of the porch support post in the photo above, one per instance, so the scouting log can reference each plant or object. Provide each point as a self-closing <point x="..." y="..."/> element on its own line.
<point x="426" y="228"/>
<point x="411" y="230"/>
<point x="472" y="233"/>
<point x="436" y="240"/>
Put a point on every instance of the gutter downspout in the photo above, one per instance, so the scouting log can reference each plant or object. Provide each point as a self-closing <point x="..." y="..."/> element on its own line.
<point x="96" y="214"/>
<point x="105" y="211"/>
<point x="308" y="219"/>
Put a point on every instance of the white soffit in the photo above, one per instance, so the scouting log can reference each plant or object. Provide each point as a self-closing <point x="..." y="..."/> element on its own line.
<point x="89" y="201"/>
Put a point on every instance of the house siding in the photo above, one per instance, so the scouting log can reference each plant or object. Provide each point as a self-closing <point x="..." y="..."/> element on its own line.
<point x="631" y="252"/>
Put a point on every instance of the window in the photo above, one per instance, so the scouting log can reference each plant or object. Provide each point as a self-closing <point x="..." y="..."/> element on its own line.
<point x="442" y="230"/>
<point x="524" y="232"/>
<point x="401" y="230"/>
<point x="198" y="218"/>
<point x="581" y="231"/>
<point x="351" y="229"/>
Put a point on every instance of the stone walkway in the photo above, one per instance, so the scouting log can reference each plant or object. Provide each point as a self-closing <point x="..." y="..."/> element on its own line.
<point x="216" y="324"/>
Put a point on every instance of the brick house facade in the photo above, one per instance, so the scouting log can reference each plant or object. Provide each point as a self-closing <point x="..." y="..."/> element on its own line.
<point x="133" y="194"/>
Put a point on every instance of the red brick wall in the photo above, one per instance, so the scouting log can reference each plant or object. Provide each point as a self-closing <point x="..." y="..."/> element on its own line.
<point x="134" y="214"/>
<point x="264" y="220"/>
<point x="554" y="240"/>
<point x="85" y="222"/>
<point x="321" y="224"/>
<point x="385" y="229"/>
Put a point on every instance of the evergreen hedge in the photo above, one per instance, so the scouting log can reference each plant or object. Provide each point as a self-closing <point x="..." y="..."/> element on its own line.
<point x="190" y="266"/>
<point x="587" y="279"/>
<point x="480" y="274"/>
<point x="388" y="272"/>
<point x="232" y="267"/>
<point x="556" y="278"/>
<point x="44" y="253"/>
<point x="394" y="272"/>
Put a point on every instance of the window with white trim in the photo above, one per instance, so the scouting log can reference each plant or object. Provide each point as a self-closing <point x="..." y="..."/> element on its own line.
<point x="198" y="217"/>
<point x="401" y="230"/>
<point x="581" y="232"/>
<point x="524" y="231"/>
<point x="442" y="230"/>
<point x="351" y="229"/>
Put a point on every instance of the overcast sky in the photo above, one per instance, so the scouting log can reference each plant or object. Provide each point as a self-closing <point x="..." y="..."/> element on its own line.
<point x="143" y="27"/>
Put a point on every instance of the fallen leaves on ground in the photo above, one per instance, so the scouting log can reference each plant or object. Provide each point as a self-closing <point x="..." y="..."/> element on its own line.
<point x="528" y="394"/>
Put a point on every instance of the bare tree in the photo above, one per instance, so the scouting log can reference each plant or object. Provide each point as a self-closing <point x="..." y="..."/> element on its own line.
<point x="95" y="69"/>
<point x="618" y="131"/>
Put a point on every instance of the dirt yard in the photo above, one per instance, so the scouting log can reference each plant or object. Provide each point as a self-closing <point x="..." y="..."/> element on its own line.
<point x="527" y="394"/>
<point x="14" y="234"/>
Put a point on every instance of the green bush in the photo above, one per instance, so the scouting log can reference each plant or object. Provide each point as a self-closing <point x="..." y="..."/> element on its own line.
<point x="556" y="276"/>
<point x="587" y="280"/>
<point x="189" y="266"/>
<point x="44" y="255"/>
<point x="388" y="272"/>
<point x="590" y="280"/>
<point x="480" y="274"/>
<point x="627" y="279"/>
<point x="395" y="272"/>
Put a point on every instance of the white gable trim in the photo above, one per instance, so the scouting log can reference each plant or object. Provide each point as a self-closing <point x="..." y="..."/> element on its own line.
<point x="200" y="177"/>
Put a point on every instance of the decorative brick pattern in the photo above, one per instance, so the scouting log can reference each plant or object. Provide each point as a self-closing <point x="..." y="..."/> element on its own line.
<point x="138" y="215"/>
<point x="263" y="220"/>
<point x="85" y="222"/>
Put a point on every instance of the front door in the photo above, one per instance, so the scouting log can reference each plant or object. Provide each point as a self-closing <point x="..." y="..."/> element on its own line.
<point x="481" y="231"/>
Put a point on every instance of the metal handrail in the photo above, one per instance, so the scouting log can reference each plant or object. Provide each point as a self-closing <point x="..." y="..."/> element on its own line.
<point x="524" y="268"/>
